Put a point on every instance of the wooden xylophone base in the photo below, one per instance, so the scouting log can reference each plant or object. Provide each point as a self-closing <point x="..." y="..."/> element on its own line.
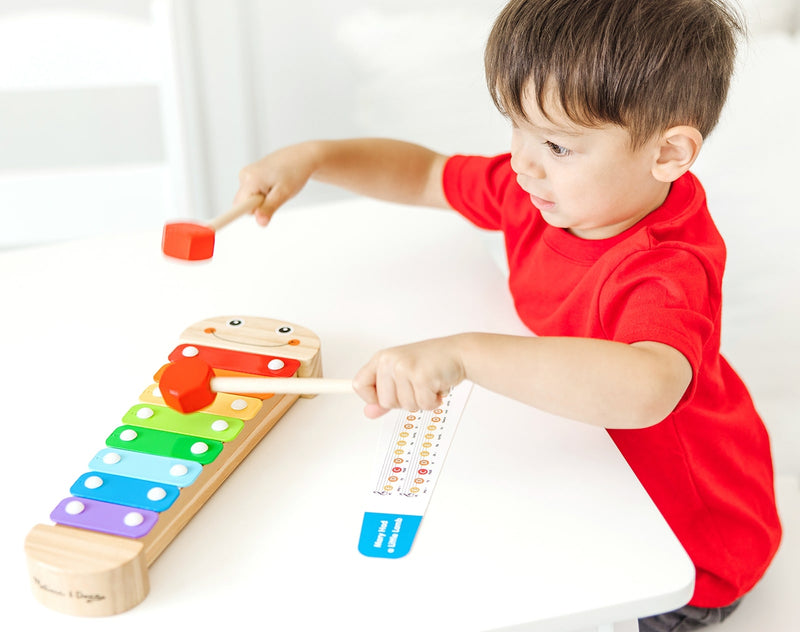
<point x="86" y="573"/>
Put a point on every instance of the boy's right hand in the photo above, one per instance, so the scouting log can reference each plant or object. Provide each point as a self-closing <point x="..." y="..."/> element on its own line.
<point x="278" y="176"/>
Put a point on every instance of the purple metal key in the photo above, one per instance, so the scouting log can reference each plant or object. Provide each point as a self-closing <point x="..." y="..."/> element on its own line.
<point x="96" y="515"/>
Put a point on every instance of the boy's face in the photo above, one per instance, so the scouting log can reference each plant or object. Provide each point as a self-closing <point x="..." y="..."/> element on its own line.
<point x="586" y="180"/>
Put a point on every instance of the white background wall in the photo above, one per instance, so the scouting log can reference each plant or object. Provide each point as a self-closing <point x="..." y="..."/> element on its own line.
<point x="311" y="69"/>
<point x="254" y="75"/>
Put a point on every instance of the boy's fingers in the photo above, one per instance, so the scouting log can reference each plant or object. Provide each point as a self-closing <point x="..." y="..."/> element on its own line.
<point x="406" y="395"/>
<point x="249" y="185"/>
<point x="262" y="218"/>
<point x="242" y="195"/>
<point x="273" y="200"/>
<point x="386" y="390"/>
<point x="246" y="192"/>
<point x="373" y="411"/>
<point x="427" y="399"/>
<point x="364" y="384"/>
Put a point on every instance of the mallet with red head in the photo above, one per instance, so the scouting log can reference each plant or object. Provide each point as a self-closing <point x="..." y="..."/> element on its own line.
<point x="191" y="241"/>
<point x="188" y="384"/>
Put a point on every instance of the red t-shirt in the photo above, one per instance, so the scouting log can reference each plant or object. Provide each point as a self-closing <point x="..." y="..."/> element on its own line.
<point x="707" y="466"/>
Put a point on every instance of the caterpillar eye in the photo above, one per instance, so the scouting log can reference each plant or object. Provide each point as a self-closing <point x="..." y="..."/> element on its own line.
<point x="284" y="330"/>
<point x="235" y="322"/>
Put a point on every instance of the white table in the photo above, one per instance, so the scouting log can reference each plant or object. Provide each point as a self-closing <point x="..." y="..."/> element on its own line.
<point x="536" y="523"/>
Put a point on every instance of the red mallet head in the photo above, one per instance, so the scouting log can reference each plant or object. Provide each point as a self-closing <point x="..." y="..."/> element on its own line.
<point x="195" y="242"/>
<point x="185" y="385"/>
<point x="188" y="241"/>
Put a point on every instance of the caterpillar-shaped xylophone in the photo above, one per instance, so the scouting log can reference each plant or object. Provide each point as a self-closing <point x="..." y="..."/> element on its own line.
<point x="160" y="466"/>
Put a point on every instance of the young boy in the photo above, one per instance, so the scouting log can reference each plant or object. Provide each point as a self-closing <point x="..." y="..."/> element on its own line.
<point x="614" y="261"/>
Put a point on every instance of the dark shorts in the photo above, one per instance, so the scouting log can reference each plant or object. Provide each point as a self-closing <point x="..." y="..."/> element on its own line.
<point x="686" y="618"/>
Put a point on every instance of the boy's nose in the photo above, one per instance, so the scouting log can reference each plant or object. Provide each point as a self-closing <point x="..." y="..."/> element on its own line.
<point x="523" y="163"/>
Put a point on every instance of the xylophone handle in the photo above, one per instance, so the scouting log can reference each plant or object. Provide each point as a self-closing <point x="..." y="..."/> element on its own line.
<point x="86" y="573"/>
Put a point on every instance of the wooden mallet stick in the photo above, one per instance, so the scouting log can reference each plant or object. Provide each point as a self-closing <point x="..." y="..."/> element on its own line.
<point x="291" y="385"/>
<point x="188" y="384"/>
<point x="191" y="241"/>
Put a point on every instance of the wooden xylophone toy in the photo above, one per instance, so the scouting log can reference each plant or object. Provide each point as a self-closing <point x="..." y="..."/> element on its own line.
<point x="160" y="466"/>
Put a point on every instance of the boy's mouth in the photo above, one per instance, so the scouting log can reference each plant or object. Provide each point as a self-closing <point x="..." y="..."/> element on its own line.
<point x="541" y="203"/>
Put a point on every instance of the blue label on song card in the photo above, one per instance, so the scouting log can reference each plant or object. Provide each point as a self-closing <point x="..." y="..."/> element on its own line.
<point x="387" y="535"/>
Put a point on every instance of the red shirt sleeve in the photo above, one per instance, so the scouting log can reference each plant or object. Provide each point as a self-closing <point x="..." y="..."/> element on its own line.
<point x="475" y="186"/>
<point x="662" y="295"/>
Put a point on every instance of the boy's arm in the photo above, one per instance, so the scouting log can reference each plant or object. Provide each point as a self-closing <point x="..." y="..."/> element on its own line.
<point x="381" y="168"/>
<point x="385" y="169"/>
<point x="604" y="383"/>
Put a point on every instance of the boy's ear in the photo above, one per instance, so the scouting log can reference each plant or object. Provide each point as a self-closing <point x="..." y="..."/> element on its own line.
<point x="677" y="150"/>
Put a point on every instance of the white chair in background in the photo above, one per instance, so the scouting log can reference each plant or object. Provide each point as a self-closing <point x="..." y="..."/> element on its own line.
<point x="92" y="136"/>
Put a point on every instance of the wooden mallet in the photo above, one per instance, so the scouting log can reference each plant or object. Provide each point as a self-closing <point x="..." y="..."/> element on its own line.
<point x="191" y="241"/>
<point x="188" y="384"/>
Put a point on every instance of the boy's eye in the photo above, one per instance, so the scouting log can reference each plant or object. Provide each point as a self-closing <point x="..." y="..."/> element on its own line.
<point x="557" y="150"/>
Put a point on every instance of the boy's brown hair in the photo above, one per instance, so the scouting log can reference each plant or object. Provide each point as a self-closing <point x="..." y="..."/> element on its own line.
<point x="645" y="65"/>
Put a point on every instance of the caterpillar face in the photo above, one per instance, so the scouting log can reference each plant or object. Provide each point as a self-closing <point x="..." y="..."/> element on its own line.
<point x="237" y="330"/>
<point x="254" y="334"/>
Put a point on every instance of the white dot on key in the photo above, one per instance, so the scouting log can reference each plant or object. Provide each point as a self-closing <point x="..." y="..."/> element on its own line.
<point x="275" y="364"/>
<point x="92" y="482"/>
<point x="129" y="434"/>
<point x="199" y="448"/>
<point x="219" y="425"/>
<point x="239" y="404"/>
<point x="145" y="413"/>
<point x="190" y="352"/>
<point x="133" y="519"/>
<point x="111" y="458"/>
<point x="156" y="493"/>
<point x="179" y="469"/>
<point x="74" y="507"/>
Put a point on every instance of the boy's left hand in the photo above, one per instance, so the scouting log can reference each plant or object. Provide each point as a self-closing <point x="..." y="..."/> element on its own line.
<point x="412" y="377"/>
